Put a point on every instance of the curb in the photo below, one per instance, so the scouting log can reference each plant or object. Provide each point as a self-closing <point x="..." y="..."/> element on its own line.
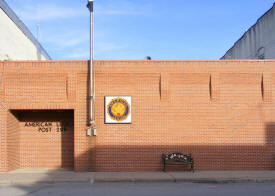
<point x="138" y="180"/>
<point x="44" y="182"/>
<point x="225" y="181"/>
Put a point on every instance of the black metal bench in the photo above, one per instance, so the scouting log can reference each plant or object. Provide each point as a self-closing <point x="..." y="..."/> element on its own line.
<point x="177" y="159"/>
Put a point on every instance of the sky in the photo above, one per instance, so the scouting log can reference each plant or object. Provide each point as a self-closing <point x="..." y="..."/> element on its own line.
<point x="134" y="29"/>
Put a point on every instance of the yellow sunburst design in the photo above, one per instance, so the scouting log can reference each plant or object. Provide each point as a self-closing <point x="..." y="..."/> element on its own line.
<point x="118" y="109"/>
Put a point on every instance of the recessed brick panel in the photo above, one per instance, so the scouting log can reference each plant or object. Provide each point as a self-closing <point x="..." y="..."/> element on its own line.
<point x="42" y="87"/>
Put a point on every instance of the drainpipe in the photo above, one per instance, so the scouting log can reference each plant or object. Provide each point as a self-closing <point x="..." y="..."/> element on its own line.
<point x="91" y="93"/>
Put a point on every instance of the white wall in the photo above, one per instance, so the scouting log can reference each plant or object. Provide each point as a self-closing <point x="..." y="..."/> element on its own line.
<point x="14" y="45"/>
<point x="258" y="41"/>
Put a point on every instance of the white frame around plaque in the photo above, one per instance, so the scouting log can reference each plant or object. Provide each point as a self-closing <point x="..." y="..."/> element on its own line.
<point x="108" y="119"/>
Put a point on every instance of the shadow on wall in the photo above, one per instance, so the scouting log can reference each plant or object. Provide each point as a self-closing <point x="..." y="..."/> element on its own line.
<point x="143" y="158"/>
<point x="270" y="140"/>
<point x="39" y="56"/>
<point x="55" y="150"/>
<point x="207" y="157"/>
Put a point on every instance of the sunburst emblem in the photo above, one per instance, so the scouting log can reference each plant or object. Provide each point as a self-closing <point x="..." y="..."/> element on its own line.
<point x="118" y="109"/>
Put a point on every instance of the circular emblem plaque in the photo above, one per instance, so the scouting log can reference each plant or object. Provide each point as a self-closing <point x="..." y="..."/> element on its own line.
<point x="118" y="109"/>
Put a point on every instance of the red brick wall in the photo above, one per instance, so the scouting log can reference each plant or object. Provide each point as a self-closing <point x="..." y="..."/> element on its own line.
<point x="3" y="138"/>
<point x="220" y="111"/>
<point x="214" y="110"/>
<point x="13" y="142"/>
<point x="2" y="124"/>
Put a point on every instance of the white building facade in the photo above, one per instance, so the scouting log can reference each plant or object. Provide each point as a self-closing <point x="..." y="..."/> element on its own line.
<point x="16" y="41"/>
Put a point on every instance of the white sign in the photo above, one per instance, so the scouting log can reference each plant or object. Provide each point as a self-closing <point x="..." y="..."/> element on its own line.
<point x="118" y="109"/>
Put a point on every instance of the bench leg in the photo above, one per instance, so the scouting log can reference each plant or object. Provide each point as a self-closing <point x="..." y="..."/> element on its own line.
<point x="192" y="166"/>
<point x="164" y="170"/>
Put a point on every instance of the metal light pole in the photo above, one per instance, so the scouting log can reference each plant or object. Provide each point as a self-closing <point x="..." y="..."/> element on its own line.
<point x="91" y="94"/>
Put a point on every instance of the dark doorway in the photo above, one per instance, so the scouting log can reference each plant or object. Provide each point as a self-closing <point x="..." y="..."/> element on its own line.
<point x="46" y="138"/>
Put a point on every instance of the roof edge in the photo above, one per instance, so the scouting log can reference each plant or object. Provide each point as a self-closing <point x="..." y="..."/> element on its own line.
<point x="144" y="61"/>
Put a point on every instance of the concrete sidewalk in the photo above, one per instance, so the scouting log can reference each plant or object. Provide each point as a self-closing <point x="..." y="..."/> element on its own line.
<point x="51" y="177"/>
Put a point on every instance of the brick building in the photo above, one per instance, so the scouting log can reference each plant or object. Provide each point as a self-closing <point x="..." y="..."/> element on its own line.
<point x="220" y="111"/>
